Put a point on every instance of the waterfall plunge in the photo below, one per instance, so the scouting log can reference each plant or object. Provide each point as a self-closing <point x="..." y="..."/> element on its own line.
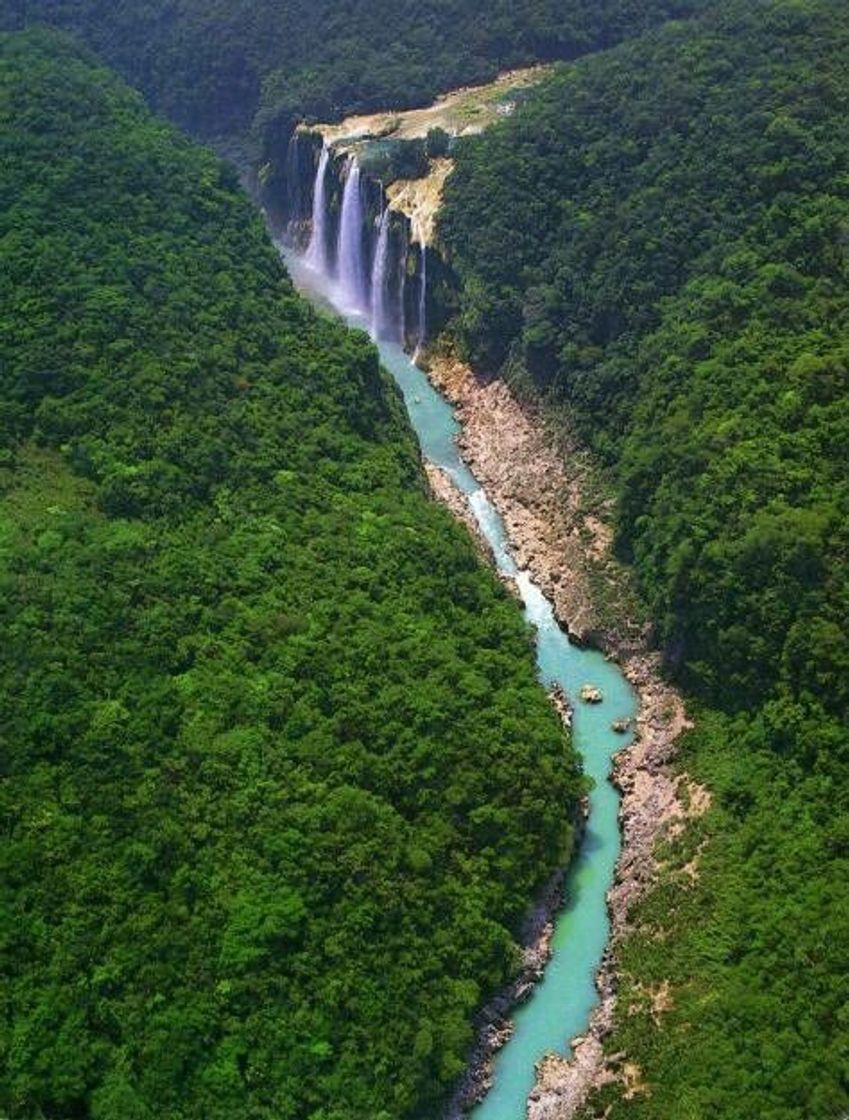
<point x="381" y="319"/>
<point x="422" y="299"/>
<point x="351" y="271"/>
<point x="316" y="254"/>
<point x="293" y="186"/>
<point x="357" y="267"/>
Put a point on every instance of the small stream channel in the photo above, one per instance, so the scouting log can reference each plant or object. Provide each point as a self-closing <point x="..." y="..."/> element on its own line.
<point x="560" y="1005"/>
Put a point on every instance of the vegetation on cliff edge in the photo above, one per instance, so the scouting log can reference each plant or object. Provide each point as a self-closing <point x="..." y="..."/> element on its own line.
<point x="657" y="244"/>
<point x="211" y="66"/>
<point x="277" y="776"/>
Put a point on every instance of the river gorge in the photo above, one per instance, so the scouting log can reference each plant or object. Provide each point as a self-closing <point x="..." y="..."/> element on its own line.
<point x="424" y="516"/>
<point x="350" y="250"/>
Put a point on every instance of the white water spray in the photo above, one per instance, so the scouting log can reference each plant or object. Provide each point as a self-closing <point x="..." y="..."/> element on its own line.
<point x="402" y="300"/>
<point x="316" y="254"/>
<point x="422" y="300"/>
<point x="293" y="185"/>
<point x="351" y="274"/>
<point x="381" y="319"/>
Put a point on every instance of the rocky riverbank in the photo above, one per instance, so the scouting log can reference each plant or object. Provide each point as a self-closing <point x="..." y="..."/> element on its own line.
<point x="540" y="487"/>
<point x="443" y="488"/>
<point x="493" y="1027"/>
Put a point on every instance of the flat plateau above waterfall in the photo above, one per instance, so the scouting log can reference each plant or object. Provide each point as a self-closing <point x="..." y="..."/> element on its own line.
<point x="463" y="112"/>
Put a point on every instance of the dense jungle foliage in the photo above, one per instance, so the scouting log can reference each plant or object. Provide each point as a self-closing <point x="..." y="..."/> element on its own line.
<point x="657" y="245"/>
<point x="211" y="65"/>
<point x="277" y="776"/>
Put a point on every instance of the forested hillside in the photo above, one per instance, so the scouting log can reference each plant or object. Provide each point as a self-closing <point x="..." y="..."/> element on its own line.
<point x="657" y="245"/>
<point x="210" y="66"/>
<point x="278" y="779"/>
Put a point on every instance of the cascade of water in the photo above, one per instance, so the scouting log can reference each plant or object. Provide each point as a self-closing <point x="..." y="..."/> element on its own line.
<point x="293" y="185"/>
<point x="351" y="274"/>
<point x="367" y="277"/>
<point x="402" y="298"/>
<point x="422" y="299"/>
<point x="381" y="317"/>
<point x="316" y="254"/>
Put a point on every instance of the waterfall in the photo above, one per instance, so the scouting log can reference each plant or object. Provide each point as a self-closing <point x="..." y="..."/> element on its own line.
<point x="293" y="185"/>
<point x="422" y="300"/>
<point x="403" y="298"/>
<point x="357" y="253"/>
<point x="381" y="319"/>
<point x="316" y="254"/>
<point x="351" y="275"/>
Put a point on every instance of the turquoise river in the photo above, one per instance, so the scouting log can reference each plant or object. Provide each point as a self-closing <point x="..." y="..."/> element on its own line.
<point x="560" y="1005"/>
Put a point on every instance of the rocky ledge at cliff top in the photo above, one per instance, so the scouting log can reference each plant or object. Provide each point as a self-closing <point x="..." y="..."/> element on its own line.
<point x="463" y="112"/>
